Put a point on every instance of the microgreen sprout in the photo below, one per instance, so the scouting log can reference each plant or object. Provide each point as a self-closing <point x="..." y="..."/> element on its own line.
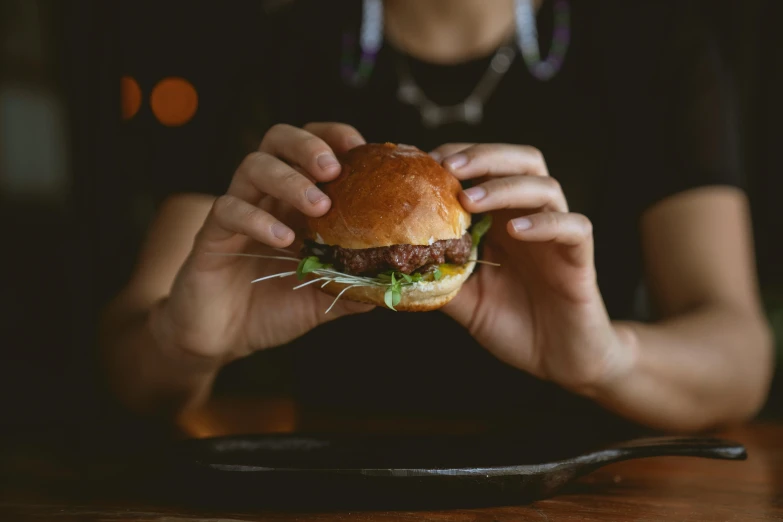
<point x="392" y="281"/>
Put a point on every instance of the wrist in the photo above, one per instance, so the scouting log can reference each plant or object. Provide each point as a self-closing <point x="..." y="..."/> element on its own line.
<point x="621" y="362"/>
<point x="171" y="346"/>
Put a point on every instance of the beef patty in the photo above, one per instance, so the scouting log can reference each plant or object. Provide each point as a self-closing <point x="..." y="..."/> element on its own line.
<point x="400" y="258"/>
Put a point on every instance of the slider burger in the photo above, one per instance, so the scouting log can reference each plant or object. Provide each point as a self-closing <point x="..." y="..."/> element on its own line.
<point x="395" y="235"/>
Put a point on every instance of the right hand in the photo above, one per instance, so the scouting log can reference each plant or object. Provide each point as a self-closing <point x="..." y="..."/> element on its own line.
<point x="213" y="311"/>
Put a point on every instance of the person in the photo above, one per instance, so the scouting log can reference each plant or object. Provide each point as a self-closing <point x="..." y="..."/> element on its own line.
<point x="608" y="159"/>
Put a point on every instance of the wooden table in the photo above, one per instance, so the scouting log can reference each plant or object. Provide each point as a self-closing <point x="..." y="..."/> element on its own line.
<point x="686" y="489"/>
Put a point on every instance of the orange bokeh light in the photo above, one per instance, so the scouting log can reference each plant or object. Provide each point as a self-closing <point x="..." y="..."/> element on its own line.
<point x="174" y="101"/>
<point x="130" y="97"/>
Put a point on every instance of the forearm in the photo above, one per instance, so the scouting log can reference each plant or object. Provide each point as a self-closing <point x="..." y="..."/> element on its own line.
<point x="145" y="371"/>
<point x="693" y="372"/>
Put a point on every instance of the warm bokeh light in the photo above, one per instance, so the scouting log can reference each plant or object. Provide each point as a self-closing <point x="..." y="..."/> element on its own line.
<point x="174" y="101"/>
<point x="130" y="97"/>
<point x="233" y="416"/>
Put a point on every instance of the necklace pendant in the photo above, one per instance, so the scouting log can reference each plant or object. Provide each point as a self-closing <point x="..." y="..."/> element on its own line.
<point x="432" y="116"/>
<point x="472" y="111"/>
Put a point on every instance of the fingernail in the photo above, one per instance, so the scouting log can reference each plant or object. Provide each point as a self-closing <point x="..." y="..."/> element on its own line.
<point x="281" y="231"/>
<point x="521" y="224"/>
<point x="327" y="161"/>
<point x="456" y="161"/>
<point x="475" y="193"/>
<point x="437" y="156"/>
<point x="314" y="195"/>
<point x="354" y="141"/>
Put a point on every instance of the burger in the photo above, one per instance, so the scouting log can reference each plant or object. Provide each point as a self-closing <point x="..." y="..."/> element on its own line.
<point x="395" y="235"/>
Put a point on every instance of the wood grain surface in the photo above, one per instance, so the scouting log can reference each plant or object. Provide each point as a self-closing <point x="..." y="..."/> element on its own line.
<point x="685" y="489"/>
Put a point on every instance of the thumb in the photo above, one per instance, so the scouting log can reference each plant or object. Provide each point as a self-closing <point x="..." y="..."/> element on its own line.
<point x="352" y="308"/>
<point x="463" y="307"/>
<point x="340" y="308"/>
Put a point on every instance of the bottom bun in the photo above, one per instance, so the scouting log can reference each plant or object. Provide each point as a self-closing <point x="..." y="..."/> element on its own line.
<point x="418" y="297"/>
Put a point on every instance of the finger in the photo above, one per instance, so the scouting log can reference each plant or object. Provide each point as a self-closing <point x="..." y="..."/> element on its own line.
<point x="521" y="192"/>
<point x="339" y="136"/>
<point x="267" y="175"/>
<point x="448" y="149"/>
<point x="286" y="213"/>
<point x="569" y="229"/>
<point x="230" y="216"/>
<point x="261" y="174"/>
<point x="496" y="160"/>
<point x="300" y="147"/>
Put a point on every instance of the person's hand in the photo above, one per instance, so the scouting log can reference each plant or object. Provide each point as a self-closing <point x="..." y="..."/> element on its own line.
<point x="541" y="310"/>
<point x="213" y="311"/>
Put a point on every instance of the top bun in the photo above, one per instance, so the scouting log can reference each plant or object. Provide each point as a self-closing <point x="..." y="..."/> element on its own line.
<point x="388" y="195"/>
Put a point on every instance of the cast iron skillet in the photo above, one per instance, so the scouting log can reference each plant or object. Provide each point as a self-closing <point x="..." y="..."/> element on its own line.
<point x="355" y="472"/>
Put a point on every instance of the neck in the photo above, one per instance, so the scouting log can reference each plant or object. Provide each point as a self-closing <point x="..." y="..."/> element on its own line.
<point x="449" y="31"/>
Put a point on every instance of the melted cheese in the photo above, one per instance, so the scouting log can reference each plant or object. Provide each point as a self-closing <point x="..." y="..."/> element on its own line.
<point x="450" y="270"/>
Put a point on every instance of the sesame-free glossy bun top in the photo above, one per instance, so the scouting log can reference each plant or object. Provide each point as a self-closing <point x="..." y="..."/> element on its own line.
<point x="387" y="195"/>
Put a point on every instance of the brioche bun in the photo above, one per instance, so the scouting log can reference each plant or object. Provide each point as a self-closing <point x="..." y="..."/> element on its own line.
<point x="391" y="195"/>
<point x="388" y="195"/>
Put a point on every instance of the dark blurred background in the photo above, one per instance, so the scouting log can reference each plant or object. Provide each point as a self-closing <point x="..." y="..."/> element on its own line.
<point x="73" y="207"/>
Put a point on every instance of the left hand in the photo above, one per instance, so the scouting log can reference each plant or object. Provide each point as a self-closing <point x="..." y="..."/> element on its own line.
<point x="540" y="311"/>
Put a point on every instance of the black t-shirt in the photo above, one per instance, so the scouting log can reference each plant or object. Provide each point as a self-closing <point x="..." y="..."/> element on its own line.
<point x="640" y="111"/>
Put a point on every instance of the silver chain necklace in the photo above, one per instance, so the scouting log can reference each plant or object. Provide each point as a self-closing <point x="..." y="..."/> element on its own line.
<point x="470" y="110"/>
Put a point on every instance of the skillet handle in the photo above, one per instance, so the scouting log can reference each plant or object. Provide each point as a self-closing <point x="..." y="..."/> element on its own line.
<point x="706" y="447"/>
